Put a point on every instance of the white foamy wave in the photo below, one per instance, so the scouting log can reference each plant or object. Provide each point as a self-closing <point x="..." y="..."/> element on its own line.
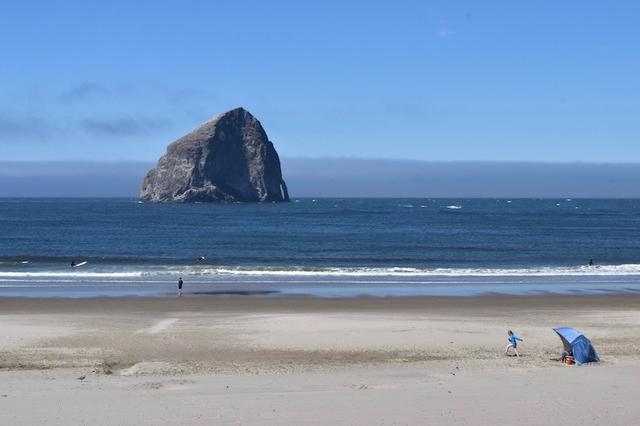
<point x="84" y="274"/>
<point x="629" y="269"/>
<point x="299" y="271"/>
<point x="453" y="207"/>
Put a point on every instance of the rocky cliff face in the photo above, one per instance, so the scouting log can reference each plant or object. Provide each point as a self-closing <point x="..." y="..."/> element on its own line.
<point x="227" y="159"/>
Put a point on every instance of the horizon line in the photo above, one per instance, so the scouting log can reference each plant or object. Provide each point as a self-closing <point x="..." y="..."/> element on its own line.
<point x="577" y="162"/>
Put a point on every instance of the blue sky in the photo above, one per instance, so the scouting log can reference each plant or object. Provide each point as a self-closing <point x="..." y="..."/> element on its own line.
<point x="426" y="80"/>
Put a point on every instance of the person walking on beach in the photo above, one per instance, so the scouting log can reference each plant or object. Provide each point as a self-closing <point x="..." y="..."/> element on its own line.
<point x="513" y="343"/>
<point x="180" y="287"/>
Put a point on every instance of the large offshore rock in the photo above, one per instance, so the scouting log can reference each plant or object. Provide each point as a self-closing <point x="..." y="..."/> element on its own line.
<point x="227" y="159"/>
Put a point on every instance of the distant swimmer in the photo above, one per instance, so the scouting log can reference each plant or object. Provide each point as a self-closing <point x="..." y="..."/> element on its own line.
<point x="73" y="263"/>
<point x="180" y="282"/>
<point x="201" y="259"/>
<point x="590" y="262"/>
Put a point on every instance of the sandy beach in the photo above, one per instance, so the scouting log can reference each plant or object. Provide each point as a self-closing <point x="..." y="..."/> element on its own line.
<point x="256" y="360"/>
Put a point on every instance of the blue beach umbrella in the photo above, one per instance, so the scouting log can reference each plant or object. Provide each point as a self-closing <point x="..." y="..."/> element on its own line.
<point x="578" y="344"/>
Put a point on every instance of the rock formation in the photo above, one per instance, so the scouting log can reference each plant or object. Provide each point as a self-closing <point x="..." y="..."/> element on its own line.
<point x="227" y="159"/>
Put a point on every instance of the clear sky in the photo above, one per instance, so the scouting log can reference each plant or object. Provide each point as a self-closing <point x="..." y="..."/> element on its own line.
<point x="427" y="80"/>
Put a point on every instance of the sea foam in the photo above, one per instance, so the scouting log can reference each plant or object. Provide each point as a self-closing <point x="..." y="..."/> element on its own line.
<point x="293" y="271"/>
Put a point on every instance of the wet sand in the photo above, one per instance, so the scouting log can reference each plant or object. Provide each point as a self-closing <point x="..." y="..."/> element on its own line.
<point x="248" y="359"/>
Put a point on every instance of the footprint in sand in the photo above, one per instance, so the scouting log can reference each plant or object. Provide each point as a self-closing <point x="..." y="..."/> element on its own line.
<point x="147" y="386"/>
<point x="173" y="384"/>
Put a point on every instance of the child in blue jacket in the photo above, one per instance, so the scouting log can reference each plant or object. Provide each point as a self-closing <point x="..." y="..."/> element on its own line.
<point x="513" y="343"/>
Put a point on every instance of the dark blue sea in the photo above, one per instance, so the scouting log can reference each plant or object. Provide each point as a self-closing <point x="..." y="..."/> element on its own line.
<point x="320" y="247"/>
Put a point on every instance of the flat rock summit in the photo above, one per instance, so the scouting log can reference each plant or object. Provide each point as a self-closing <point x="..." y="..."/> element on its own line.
<point x="227" y="159"/>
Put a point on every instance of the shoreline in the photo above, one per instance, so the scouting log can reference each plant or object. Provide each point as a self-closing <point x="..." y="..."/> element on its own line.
<point x="327" y="288"/>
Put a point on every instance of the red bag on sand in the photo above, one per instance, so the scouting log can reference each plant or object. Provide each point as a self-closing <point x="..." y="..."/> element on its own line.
<point x="570" y="361"/>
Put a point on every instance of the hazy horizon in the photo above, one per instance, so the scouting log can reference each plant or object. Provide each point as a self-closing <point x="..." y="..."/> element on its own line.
<point x="367" y="99"/>
<point x="349" y="177"/>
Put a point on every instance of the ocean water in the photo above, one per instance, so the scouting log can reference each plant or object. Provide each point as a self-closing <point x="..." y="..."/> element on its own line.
<point x="323" y="247"/>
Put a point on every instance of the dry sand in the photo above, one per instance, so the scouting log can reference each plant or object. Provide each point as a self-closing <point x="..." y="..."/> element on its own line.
<point x="246" y="360"/>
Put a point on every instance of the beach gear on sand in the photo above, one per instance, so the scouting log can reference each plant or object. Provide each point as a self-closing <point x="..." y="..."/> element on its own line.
<point x="577" y="344"/>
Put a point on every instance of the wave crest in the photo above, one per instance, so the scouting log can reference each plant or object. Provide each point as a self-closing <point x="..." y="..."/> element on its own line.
<point x="293" y="271"/>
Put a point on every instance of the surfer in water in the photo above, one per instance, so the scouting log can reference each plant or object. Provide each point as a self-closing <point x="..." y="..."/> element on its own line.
<point x="180" y="282"/>
<point x="73" y="263"/>
<point x="590" y="262"/>
<point x="201" y="259"/>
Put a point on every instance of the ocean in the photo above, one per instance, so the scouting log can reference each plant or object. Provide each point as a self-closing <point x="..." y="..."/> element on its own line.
<point x="320" y="247"/>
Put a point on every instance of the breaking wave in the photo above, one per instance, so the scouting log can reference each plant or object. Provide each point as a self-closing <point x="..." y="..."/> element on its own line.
<point x="630" y="269"/>
<point x="299" y="271"/>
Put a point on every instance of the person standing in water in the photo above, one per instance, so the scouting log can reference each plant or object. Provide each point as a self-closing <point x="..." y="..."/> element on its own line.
<point x="590" y="262"/>
<point x="180" y="282"/>
<point x="513" y="343"/>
